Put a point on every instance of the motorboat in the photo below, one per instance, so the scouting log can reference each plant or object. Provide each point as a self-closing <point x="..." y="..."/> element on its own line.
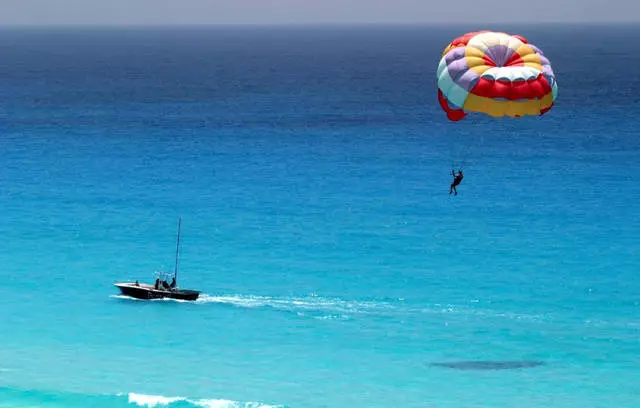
<point x="161" y="289"/>
<point x="147" y="292"/>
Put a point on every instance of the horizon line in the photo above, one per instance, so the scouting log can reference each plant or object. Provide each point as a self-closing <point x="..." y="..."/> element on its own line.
<point x="320" y="24"/>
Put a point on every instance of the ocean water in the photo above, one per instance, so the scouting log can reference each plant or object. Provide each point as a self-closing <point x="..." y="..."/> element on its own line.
<point x="310" y="166"/>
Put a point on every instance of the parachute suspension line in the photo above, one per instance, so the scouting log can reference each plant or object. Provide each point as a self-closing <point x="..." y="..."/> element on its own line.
<point x="460" y="145"/>
<point x="461" y="160"/>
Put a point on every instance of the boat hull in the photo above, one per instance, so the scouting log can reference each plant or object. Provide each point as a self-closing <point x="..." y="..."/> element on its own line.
<point x="148" y="292"/>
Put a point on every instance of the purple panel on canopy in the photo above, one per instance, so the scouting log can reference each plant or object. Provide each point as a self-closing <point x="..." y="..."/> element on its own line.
<point x="457" y="68"/>
<point x="543" y="60"/>
<point x="454" y="54"/>
<point x="468" y="80"/>
<point x="536" y="49"/>
<point x="499" y="54"/>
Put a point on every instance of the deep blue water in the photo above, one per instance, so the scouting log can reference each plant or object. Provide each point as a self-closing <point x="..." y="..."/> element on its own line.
<point x="311" y="169"/>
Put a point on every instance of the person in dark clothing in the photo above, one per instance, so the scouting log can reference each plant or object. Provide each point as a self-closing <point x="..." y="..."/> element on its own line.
<point x="457" y="179"/>
<point x="173" y="283"/>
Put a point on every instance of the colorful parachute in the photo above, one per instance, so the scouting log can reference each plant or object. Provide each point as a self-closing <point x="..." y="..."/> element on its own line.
<point x="497" y="74"/>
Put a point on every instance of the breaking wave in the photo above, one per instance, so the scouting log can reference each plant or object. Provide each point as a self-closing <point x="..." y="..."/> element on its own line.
<point x="48" y="399"/>
<point x="152" y="401"/>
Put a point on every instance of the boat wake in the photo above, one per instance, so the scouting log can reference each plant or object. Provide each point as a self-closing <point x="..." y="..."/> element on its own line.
<point x="335" y="308"/>
<point x="326" y="308"/>
<point x="310" y="306"/>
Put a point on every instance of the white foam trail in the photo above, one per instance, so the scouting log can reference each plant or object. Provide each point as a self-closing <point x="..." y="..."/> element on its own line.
<point x="321" y="308"/>
<point x="151" y="401"/>
<point x="332" y="307"/>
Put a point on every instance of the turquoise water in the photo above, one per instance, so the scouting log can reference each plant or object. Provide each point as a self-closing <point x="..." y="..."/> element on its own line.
<point x="311" y="170"/>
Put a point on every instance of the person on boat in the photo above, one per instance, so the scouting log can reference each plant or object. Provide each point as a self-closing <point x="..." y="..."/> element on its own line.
<point x="173" y="283"/>
<point x="457" y="179"/>
<point x="137" y="283"/>
<point x="157" y="285"/>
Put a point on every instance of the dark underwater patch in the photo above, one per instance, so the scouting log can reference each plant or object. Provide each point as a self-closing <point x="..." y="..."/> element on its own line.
<point x="489" y="365"/>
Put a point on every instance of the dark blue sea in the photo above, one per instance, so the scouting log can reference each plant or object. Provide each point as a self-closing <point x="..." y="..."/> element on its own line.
<point x="311" y="168"/>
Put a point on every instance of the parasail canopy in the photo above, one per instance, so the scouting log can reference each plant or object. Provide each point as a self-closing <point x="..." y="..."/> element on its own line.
<point x="497" y="74"/>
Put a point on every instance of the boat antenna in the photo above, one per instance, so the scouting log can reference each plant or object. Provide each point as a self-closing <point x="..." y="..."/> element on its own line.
<point x="175" y="272"/>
